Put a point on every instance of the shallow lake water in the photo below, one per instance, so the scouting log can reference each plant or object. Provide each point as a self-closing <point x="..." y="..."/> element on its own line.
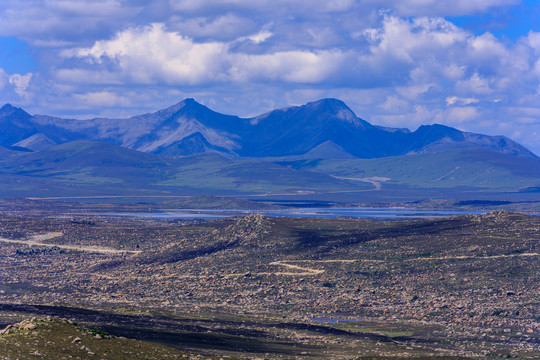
<point x="377" y="213"/>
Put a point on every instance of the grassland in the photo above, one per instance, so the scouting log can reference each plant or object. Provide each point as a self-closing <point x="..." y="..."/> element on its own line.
<point x="477" y="169"/>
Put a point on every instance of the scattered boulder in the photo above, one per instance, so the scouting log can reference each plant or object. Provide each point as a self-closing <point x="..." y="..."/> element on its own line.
<point x="27" y="324"/>
<point x="6" y="330"/>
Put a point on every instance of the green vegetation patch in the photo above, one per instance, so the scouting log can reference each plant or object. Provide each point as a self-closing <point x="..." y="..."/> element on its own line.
<point x="60" y="339"/>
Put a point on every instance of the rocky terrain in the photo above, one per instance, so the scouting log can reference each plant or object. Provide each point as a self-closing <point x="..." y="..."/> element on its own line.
<point x="254" y="286"/>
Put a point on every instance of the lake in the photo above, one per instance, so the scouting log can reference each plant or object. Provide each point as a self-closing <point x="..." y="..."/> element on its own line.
<point x="372" y="213"/>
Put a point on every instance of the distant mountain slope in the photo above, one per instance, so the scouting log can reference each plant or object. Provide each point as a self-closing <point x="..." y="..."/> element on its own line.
<point x="15" y="125"/>
<point x="431" y="138"/>
<point x="87" y="167"/>
<point x="298" y="130"/>
<point x="478" y="169"/>
<point x="320" y="129"/>
<point x="157" y="132"/>
<point x="35" y="142"/>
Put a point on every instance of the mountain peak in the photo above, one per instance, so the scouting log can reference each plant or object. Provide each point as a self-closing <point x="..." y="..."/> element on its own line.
<point x="332" y="106"/>
<point x="186" y="104"/>
<point x="438" y="130"/>
<point x="189" y="101"/>
<point x="9" y="109"/>
<point x="327" y="103"/>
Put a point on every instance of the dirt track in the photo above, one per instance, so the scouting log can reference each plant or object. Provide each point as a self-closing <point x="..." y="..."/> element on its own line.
<point x="94" y="249"/>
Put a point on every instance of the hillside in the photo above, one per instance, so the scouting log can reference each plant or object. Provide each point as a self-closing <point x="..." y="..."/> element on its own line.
<point x="94" y="168"/>
<point x="54" y="338"/>
<point x="89" y="168"/>
<point x="475" y="169"/>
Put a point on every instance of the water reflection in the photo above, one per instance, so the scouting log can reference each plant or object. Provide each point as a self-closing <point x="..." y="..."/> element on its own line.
<point x="377" y="213"/>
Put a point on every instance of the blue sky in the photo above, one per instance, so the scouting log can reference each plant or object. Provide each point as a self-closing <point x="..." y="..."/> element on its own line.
<point x="474" y="65"/>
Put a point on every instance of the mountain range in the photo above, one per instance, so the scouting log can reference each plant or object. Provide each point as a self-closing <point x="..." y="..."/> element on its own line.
<point x="320" y="147"/>
<point x="326" y="128"/>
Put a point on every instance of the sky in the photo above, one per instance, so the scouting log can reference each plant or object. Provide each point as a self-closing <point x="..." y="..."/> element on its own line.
<point x="473" y="65"/>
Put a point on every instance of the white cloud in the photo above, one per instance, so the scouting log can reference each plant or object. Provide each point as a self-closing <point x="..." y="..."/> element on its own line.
<point x="410" y="40"/>
<point x="20" y="82"/>
<point x="418" y="115"/>
<point x="291" y="66"/>
<point x="261" y="36"/>
<point x="102" y="99"/>
<point x="451" y="100"/>
<point x="453" y="71"/>
<point x="533" y="40"/>
<point x="89" y="77"/>
<point x="152" y="54"/>
<point x="475" y="84"/>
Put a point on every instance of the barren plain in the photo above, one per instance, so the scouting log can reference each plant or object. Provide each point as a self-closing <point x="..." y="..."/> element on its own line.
<point x="260" y="287"/>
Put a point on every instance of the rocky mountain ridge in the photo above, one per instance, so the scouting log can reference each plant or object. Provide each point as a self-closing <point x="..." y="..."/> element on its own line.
<point x="326" y="128"/>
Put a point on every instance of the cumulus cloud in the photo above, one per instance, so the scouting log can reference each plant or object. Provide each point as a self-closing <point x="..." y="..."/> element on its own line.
<point x="412" y="42"/>
<point x="153" y="54"/>
<point x="451" y="100"/>
<point x="260" y="37"/>
<point x="291" y="66"/>
<point x="14" y="88"/>
<point x="20" y="82"/>
<point x="150" y="54"/>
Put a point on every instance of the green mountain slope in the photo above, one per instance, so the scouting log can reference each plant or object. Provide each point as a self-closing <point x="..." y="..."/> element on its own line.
<point x="85" y="168"/>
<point x="479" y="169"/>
<point x="89" y="168"/>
